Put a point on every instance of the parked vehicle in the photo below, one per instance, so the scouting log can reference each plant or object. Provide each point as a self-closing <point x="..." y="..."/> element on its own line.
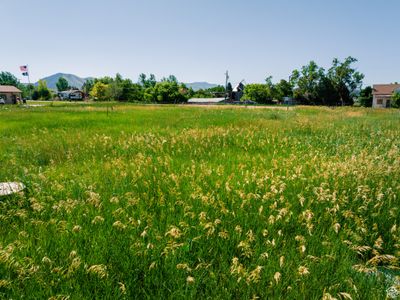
<point x="71" y="95"/>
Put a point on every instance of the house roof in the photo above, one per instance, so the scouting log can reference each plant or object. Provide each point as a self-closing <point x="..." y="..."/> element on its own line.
<point x="206" y="100"/>
<point x="239" y="87"/>
<point x="384" y="89"/>
<point x="9" y="89"/>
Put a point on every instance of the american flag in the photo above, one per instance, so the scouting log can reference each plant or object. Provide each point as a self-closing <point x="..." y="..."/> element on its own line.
<point x="23" y="68"/>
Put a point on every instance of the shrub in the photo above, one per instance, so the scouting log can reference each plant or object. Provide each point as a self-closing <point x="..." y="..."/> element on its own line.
<point x="396" y="99"/>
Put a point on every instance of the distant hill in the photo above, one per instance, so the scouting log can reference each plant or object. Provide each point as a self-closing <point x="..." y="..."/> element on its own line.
<point x="200" y="85"/>
<point x="76" y="81"/>
<point x="73" y="80"/>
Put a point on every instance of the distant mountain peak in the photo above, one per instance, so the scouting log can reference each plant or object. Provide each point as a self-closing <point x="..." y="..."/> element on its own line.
<point x="203" y="85"/>
<point x="73" y="80"/>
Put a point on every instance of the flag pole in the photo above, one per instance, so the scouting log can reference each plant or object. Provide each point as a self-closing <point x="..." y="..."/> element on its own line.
<point x="29" y="83"/>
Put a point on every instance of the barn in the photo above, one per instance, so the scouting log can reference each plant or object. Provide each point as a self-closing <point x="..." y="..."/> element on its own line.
<point x="10" y="94"/>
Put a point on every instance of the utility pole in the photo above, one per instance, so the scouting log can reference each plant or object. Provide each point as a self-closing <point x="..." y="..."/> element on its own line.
<point x="226" y="79"/>
<point x="226" y="83"/>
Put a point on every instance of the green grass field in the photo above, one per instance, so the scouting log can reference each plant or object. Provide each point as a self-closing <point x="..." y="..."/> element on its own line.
<point x="173" y="202"/>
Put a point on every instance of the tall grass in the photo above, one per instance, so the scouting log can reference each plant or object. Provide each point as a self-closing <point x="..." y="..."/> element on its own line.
<point x="177" y="202"/>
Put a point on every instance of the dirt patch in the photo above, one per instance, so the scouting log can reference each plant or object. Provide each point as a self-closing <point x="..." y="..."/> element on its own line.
<point x="354" y="114"/>
<point x="236" y="106"/>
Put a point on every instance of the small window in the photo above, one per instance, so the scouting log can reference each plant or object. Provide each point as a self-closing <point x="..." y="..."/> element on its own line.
<point x="379" y="101"/>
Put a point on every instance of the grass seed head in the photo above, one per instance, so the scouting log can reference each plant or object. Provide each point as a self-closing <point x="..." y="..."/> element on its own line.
<point x="76" y="228"/>
<point x="303" y="271"/>
<point x="190" y="280"/>
<point x="98" y="270"/>
<point x="277" y="277"/>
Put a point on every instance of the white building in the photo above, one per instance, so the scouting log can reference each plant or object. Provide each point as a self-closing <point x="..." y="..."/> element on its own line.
<point x="206" y="100"/>
<point x="10" y="94"/>
<point x="71" y="95"/>
<point x="382" y="94"/>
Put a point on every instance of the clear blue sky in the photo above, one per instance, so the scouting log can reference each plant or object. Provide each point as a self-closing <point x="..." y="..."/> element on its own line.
<point x="199" y="40"/>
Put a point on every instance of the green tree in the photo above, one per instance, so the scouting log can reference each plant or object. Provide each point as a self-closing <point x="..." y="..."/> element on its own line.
<point x="120" y="89"/>
<point x="130" y="91"/>
<point x="6" y="78"/>
<point x="283" y="89"/>
<point x="62" y="84"/>
<point x="217" y="89"/>
<point x="366" y="97"/>
<point x="87" y="86"/>
<point x="44" y="92"/>
<point x="35" y="95"/>
<point x="41" y="92"/>
<point x="133" y="92"/>
<point x="294" y="78"/>
<point x="396" y="99"/>
<point x="114" y="90"/>
<point x="184" y="91"/>
<point x="105" y="80"/>
<point x="142" y="79"/>
<point x="207" y="93"/>
<point x="152" y="80"/>
<point x="149" y="95"/>
<point x="258" y="92"/>
<point x="170" y="78"/>
<point x="201" y="93"/>
<point x="99" y="91"/>
<point x="147" y="82"/>
<point x="27" y="90"/>
<point x="308" y="83"/>
<point x="169" y="92"/>
<point x="271" y="88"/>
<point x="327" y="94"/>
<point x="345" y="79"/>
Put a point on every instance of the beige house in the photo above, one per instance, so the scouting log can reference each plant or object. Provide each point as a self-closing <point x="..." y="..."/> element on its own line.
<point x="9" y="94"/>
<point x="383" y="93"/>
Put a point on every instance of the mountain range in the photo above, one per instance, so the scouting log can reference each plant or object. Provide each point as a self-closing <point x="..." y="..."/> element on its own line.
<point x="78" y="82"/>
<point x="73" y="80"/>
<point x="200" y="85"/>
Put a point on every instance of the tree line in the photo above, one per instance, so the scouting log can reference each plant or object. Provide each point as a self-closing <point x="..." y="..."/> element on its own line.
<point x="313" y="85"/>
<point x="146" y="89"/>
<point x="341" y="84"/>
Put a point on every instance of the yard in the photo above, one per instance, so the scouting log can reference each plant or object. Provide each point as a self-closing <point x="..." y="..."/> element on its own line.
<point x="186" y="202"/>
